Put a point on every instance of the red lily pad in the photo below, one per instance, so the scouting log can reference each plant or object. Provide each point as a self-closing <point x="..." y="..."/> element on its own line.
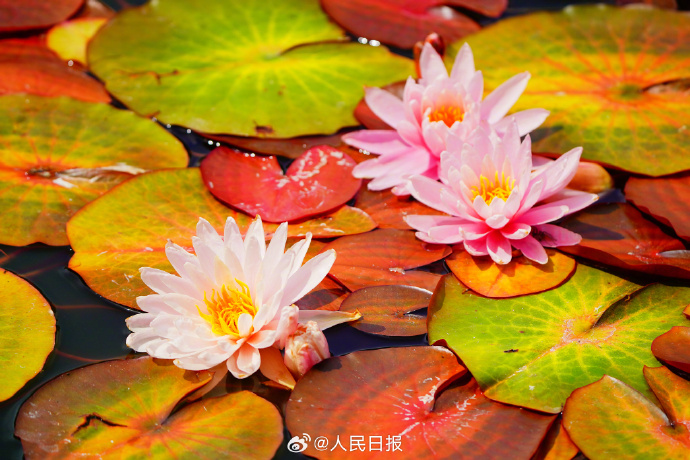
<point x="389" y="310"/>
<point x="319" y="181"/>
<point x="388" y="210"/>
<point x="35" y="14"/>
<point x="404" y="392"/>
<point x="291" y="148"/>
<point x="665" y="199"/>
<point x="618" y="234"/>
<point x="327" y="295"/>
<point x="384" y="257"/>
<point x="673" y="347"/>
<point x="403" y="23"/>
<point x="521" y="276"/>
<point x="125" y="409"/>
<point x="27" y="68"/>
<point x="608" y="419"/>
<point x="155" y="207"/>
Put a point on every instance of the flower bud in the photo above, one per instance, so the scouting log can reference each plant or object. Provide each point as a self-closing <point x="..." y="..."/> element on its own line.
<point x="591" y="177"/>
<point x="306" y="347"/>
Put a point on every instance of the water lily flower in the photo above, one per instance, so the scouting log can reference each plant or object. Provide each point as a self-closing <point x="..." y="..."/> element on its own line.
<point x="305" y="347"/>
<point x="233" y="298"/>
<point x="431" y="109"/>
<point x="496" y="201"/>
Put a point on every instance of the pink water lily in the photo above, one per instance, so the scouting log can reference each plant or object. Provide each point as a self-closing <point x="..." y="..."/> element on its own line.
<point x="429" y="112"/>
<point x="496" y="201"/>
<point x="232" y="298"/>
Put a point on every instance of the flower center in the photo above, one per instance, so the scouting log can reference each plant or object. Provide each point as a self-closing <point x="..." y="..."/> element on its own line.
<point x="448" y="114"/>
<point x="225" y="308"/>
<point x="492" y="189"/>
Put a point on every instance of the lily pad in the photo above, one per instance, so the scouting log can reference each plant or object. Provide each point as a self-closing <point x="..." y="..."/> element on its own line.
<point x="383" y="257"/>
<point x="617" y="234"/>
<point x="327" y="295"/>
<point x="124" y="409"/>
<point x="320" y="180"/>
<point x="609" y="419"/>
<point x="403" y="23"/>
<point x="533" y="351"/>
<point x="35" y="14"/>
<point x="69" y="39"/>
<point x="389" y="310"/>
<point x="290" y="148"/>
<point x="557" y="445"/>
<point x="245" y="67"/>
<point x="32" y="69"/>
<point x="665" y="199"/>
<point x="375" y="395"/>
<point x="388" y="210"/>
<point x="57" y="154"/>
<point x="27" y="332"/>
<point x="521" y="276"/>
<point x="608" y="77"/>
<point x="673" y="347"/>
<point x="156" y="207"/>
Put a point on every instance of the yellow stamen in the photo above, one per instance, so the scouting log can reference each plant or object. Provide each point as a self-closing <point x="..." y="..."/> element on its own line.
<point x="225" y="308"/>
<point x="448" y="114"/>
<point x="490" y="190"/>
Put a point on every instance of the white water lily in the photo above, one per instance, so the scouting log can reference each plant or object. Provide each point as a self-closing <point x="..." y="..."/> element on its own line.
<point x="233" y="298"/>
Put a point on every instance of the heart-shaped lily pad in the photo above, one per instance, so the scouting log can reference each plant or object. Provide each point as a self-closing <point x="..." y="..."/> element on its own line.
<point x="611" y="77"/>
<point x="521" y="276"/>
<point x="29" y="68"/>
<point x="319" y="181"/>
<point x="385" y="256"/>
<point x="617" y="234"/>
<point x="673" y="347"/>
<point x="377" y="395"/>
<point x="57" y="154"/>
<point x="389" y="310"/>
<point x="403" y="23"/>
<point x="246" y="67"/>
<point x="35" y="14"/>
<point x="27" y="332"/>
<point x="124" y="409"/>
<point x="533" y="351"/>
<point x="664" y="198"/>
<point x="156" y="207"/>
<point x="609" y="419"/>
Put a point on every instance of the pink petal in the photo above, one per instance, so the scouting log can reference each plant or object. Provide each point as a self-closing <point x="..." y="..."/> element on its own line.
<point x="543" y="214"/>
<point x="425" y="223"/>
<point x="385" y="105"/>
<point x="574" y="200"/>
<point x="499" y="248"/>
<point x="497" y="104"/>
<point x="379" y="141"/>
<point x="497" y="221"/>
<point x="262" y="339"/>
<point x="476" y="247"/>
<point x="428" y="192"/>
<point x="410" y="133"/>
<point x="473" y="231"/>
<point x="558" y="174"/>
<point x="532" y="249"/>
<point x="463" y="68"/>
<point x="553" y="236"/>
<point x="516" y="231"/>
<point x="446" y="234"/>
<point x="431" y="65"/>
<point x="526" y="120"/>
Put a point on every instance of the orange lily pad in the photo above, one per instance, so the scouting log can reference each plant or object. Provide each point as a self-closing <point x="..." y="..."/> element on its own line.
<point x="617" y="234"/>
<point x="407" y="392"/>
<point x="612" y="79"/>
<point x="388" y="210"/>
<point x="27" y="332"/>
<point x="57" y="154"/>
<point x="521" y="276"/>
<point x="125" y="409"/>
<point x="69" y="39"/>
<point x="35" y="14"/>
<point x="673" y="347"/>
<point x="156" y="207"/>
<point x="609" y="419"/>
<point x="27" y="68"/>
<point x="665" y="199"/>
<point x="327" y="295"/>
<point x="556" y="445"/>
<point x="385" y="256"/>
<point x="389" y="310"/>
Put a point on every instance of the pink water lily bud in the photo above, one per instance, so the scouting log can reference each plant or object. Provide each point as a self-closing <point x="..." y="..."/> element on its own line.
<point x="306" y="347"/>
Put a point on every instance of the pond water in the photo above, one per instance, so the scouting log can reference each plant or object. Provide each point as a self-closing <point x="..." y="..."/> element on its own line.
<point x="92" y="329"/>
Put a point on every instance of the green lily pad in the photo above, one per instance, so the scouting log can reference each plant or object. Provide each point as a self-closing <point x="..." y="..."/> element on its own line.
<point x="246" y="67"/>
<point x="57" y="154"/>
<point x="125" y="409"/>
<point x="533" y="351"/>
<point x="27" y="333"/>
<point x="611" y="78"/>
<point x="128" y="228"/>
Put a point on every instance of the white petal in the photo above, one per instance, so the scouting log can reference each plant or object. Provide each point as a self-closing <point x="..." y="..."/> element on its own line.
<point x="307" y="277"/>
